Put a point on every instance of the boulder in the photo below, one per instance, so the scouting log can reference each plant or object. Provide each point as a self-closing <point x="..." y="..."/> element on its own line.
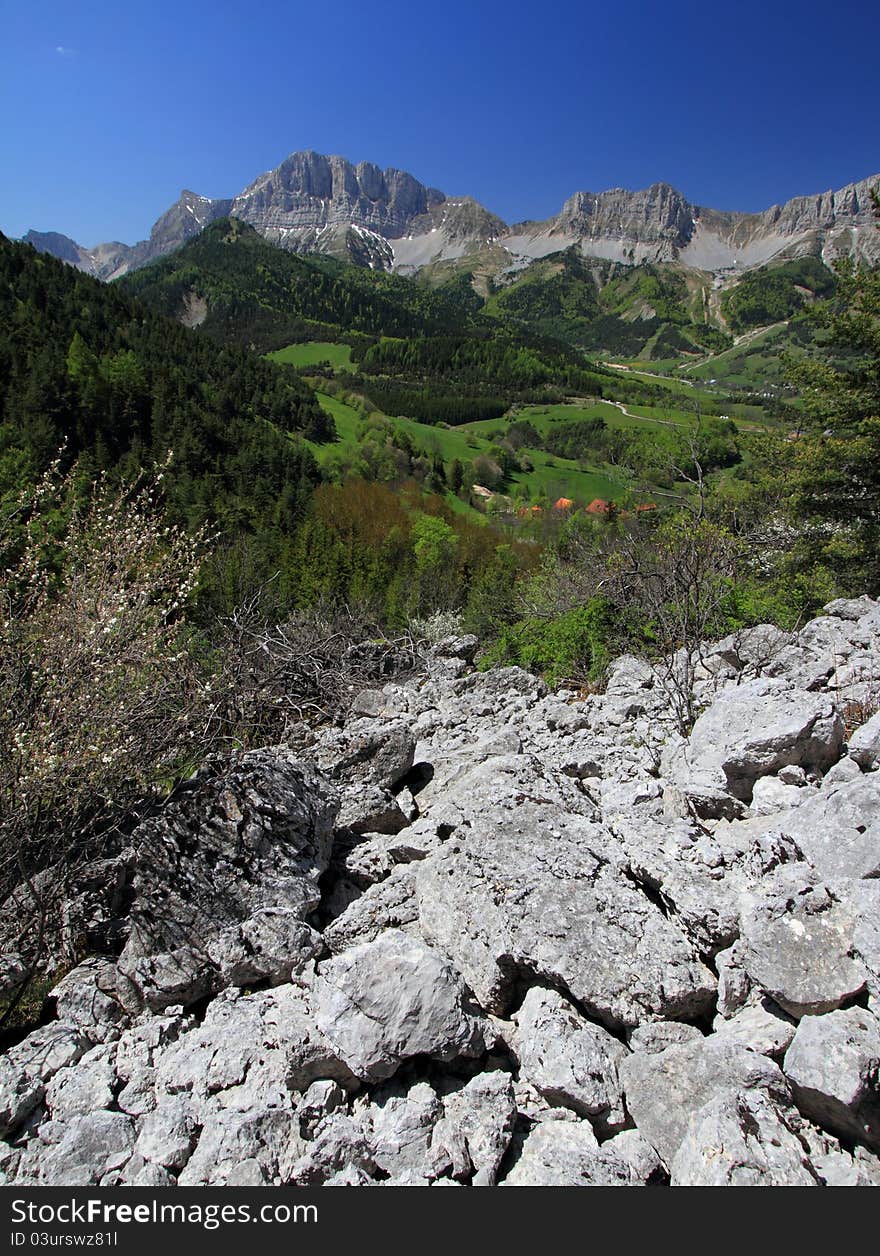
<point x="371" y="808"/>
<point x="271" y="945"/>
<point x="390" y="904"/>
<point x="91" y="1146"/>
<point x="168" y="1134"/>
<point x="385" y="1001"/>
<point x="838" y="829"/>
<point x="470" y="1140"/>
<point x="86" y="997"/>
<point x="13" y="971"/>
<point x="26" y="1068"/>
<point x="569" y="1060"/>
<point x="242" y="1149"/>
<point x="683" y="867"/>
<point x="761" y="1026"/>
<point x="249" y="1053"/>
<point x="734" y="984"/>
<point x="566" y="1153"/>
<point x="864" y="744"/>
<point x="398" y="1122"/>
<point x="863" y="898"/>
<point x="88" y="1086"/>
<point x="451" y="657"/>
<point x="850" y="608"/>
<point x="533" y="893"/>
<point x="366" y="752"/>
<point x="833" y="1064"/>
<point x="741" y="1139"/>
<point x="339" y="1154"/>
<point x="771" y="794"/>
<point x="249" y="833"/>
<point x="663" y="1091"/>
<point x="656" y="1036"/>
<point x="86" y="911"/>
<point x="797" y="943"/>
<point x="750" y="650"/>
<point x="757" y="728"/>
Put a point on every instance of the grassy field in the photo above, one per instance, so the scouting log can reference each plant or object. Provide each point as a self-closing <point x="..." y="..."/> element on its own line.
<point x="550" y="477"/>
<point x="754" y="365"/>
<point x="313" y="352"/>
<point x="656" y="375"/>
<point x="639" y="418"/>
<point x="345" y="418"/>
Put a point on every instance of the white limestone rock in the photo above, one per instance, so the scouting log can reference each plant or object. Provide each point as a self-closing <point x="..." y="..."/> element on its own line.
<point x="663" y="1091"/>
<point x="385" y="1001"/>
<point x="741" y="1139"/>
<point x="569" y="1060"/>
<point x="834" y="1066"/>
<point x="797" y="943"/>
<point x="534" y="892"/>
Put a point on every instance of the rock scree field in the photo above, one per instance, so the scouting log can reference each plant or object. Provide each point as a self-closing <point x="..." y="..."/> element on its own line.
<point x="482" y="933"/>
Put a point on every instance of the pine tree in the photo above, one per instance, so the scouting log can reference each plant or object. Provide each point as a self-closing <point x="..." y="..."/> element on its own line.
<point x="836" y="492"/>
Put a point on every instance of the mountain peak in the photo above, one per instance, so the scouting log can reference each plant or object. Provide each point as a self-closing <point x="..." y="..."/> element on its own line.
<point x="388" y="219"/>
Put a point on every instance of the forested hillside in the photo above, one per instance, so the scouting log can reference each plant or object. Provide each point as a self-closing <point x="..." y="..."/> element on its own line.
<point x="89" y="374"/>
<point x="430" y="353"/>
<point x="607" y="307"/>
<point x="85" y="367"/>
<point x="258" y="295"/>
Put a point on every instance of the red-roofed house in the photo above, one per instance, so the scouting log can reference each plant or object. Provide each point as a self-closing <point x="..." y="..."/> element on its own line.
<point x="598" y="507"/>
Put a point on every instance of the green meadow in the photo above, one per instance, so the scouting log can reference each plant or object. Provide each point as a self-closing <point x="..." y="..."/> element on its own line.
<point x="550" y="477"/>
<point x="312" y="352"/>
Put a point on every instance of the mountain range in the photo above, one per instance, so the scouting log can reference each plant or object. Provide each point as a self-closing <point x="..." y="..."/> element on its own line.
<point x="388" y="220"/>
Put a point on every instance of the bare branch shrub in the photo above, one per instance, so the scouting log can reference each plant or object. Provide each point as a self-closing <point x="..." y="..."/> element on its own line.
<point x="277" y="682"/>
<point x="676" y="577"/>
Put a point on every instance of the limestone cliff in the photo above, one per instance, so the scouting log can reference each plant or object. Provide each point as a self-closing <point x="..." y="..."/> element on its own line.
<point x="387" y="219"/>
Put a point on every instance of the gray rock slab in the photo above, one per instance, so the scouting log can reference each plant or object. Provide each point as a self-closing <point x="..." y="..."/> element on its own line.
<point x="572" y="1062"/>
<point x="663" y="1091"/>
<point x="797" y="943"/>
<point x="531" y="894"/>
<point x="834" y="1064"/>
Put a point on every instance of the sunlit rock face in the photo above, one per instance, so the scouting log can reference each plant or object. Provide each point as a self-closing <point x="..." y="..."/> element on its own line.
<point x="387" y="219"/>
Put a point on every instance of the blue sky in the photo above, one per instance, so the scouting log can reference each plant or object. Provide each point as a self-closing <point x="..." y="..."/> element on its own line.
<point x="109" y="109"/>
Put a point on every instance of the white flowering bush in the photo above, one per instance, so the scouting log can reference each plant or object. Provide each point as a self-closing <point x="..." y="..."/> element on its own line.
<point x="434" y="628"/>
<point x="101" y="705"/>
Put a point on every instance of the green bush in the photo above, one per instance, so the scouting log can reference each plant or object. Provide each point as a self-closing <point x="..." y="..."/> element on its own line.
<point x="572" y="646"/>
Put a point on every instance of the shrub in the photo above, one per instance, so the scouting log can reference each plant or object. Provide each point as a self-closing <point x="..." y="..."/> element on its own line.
<point x="569" y="647"/>
<point x="102" y="707"/>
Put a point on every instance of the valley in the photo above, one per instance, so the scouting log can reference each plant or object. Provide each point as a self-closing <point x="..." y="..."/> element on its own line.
<point x="439" y="616"/>
<point x="408" y="655"/>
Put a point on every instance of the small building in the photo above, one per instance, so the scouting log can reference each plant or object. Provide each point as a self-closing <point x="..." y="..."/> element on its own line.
<point x="598" y="506"/>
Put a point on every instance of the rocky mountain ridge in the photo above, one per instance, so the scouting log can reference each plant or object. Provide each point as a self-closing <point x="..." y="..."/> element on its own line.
<point x="389" y="220"/>
<point x="483" y="933"/>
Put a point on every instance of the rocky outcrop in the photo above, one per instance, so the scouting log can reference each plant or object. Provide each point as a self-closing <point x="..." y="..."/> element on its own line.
<point x="587" y="951"/>
<point x="658" y="215"/>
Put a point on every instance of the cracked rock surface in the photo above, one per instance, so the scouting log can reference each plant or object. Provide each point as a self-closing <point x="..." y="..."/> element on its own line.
<point x="483" y="934"/>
